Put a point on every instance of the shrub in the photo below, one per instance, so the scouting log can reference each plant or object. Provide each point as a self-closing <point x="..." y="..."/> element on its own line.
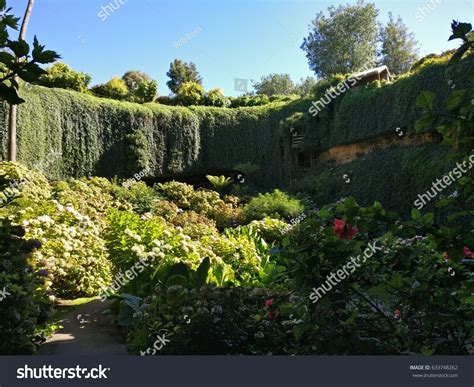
<point x="114" y="89"/>
<point x="219" y="182"/>
<point x="276" y="204"/>
<point x="270" y="229"/>
<point x="61" y="75"/>
<point x="215" y="97"/>
<point x="190" y="93"/>
<point x="176" y="192"/>
<point x="217" y="321"/>
<point x="142" y="198"/>
<point x="26" y="307"/>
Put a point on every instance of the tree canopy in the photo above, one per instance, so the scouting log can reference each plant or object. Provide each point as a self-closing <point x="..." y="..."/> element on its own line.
<point x="274" y="84"/>
<point x="344" y="42"/>
<point x="398" y="50"/>
<point x="181" y="72"/>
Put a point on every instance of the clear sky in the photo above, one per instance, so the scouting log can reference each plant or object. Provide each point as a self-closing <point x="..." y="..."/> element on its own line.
<point x="234" y="38"/>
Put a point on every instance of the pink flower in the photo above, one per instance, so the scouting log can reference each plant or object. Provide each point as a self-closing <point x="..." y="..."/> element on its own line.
<point x="269" y="303"/>
<point x="397" y="314"/>
<point x="272" y="314"/>
<point x="468" y="253"/>
<point x="344" y="230"/>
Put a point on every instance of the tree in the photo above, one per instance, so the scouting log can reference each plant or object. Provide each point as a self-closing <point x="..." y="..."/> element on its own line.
<point x="398" y="46"/>
<point x="115" y="89"/>
<point x="306" y="86"/>
<point x="141" y="88"/>
<point x="16" y="64"/>
<point x="274" y="84"/>
<point x="61" y="75"/>
<point x="181" y="72"/>
<point x="345" y="42"/>
<point x="215" y="97"/>
<point x="190" y="93"/>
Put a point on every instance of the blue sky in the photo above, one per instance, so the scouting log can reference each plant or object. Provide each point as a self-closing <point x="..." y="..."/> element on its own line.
<point x="237" y="39"/>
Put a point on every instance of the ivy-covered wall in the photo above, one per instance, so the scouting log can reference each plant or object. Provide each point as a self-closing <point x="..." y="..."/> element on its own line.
<point x="74" y="134"/>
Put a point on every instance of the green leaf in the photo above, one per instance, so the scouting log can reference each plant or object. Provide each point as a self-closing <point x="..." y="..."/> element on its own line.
<point x="455" y="99"/>
<point x="177" y="279"/>
<point x="10" y="94"/>
<point x="415" y="214"/>
<point x="426" y="100"/>
<point x="424" y="122"/>
<point x="200" y="276"/>
<point x="6" y="57"/>
<point x="19" y="47"/>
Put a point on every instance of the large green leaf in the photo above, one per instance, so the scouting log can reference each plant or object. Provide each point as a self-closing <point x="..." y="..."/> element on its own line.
<point x="426" y="100"/>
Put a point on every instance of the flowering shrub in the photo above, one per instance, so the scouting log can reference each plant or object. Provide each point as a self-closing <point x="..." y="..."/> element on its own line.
<point x="272" y="230"/>
<point x="276" y="204"/>
<point x="73" y="254"/>
<point x="218" y="321"/>
<point x="398" y="301"/>
<point x="24" y="303"/>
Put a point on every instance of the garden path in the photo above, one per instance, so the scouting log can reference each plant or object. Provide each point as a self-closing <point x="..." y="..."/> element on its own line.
<point x="86" y="330"/>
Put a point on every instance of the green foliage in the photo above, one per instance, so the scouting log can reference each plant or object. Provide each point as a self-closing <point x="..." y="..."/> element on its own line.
<point x="395" y="301"/>
<point x="398" y="50"/>
<point x="114" y="89"/>
<point x="306" y="85"/>
<point x="180" y="73"/>
<point x="249" y="100"/>
<point x="275" y="84"/>
<point x="141" y="88"/>
<point x="344" y="42"/>
<point x="398" y="169"/>
<point x="17" y="60"/>
<point x="216" y="321"/>
<point x="26" y="307"/>
<point x="190" y="93"/>
<point x="215" y="97"/>
<point x="219" y="182"/>
<point x="276" y="204"/>
<point x="61" y="75"/>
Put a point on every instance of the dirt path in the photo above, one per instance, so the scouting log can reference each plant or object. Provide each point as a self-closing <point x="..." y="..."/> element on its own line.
<point x="86" y="331"/>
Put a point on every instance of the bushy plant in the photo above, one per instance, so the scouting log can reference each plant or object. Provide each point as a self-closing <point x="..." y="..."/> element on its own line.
<point x="61" y="75"/>
<point x="271" y="230"/>
<point x="114" y="89"/>
<point x="24" y="304"/>
<point x="215" y="97"/>
<point x="218" y="321"/>
<point x="276" y="204"/>
<point x="190" y="93"/>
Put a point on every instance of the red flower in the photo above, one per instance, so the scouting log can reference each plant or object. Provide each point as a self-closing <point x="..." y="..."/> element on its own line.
<point x="344" y="230"/>
<point x="397" y="314"/>
<point x="269" y="303"/>
<point x="468" y="253"/>
<point x="272" y="314"/>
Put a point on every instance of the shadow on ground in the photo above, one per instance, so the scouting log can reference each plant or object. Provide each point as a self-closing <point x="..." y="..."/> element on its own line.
<point x="87" y="330"/>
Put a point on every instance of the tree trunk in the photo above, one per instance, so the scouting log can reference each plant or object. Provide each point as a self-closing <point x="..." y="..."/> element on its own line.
<point x="13" y="108"/>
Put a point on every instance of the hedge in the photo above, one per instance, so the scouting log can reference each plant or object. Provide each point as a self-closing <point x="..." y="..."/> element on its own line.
<point x="97" y="136"/>
<point x="393" y="177"/>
